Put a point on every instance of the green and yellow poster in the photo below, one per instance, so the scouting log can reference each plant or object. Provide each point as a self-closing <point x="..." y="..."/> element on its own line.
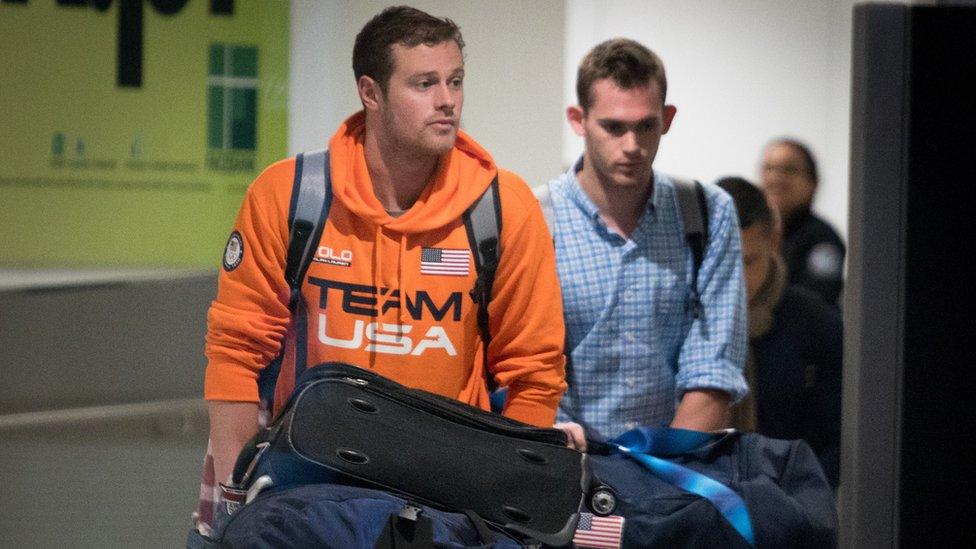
<point x="129" y="129"/>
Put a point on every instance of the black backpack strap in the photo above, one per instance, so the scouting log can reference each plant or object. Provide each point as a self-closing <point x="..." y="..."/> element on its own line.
<point x="689" y="196"/>
<point x="483" y="221"/>
<point x="311" y="197"/>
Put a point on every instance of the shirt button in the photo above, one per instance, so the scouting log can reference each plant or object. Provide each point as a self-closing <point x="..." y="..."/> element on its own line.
<point x="629" y="337"/>
<point x="631" y="382"/>
<point x="630" y="425"/>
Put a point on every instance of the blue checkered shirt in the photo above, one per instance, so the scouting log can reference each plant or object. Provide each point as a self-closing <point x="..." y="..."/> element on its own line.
<point x="633" y="345"/>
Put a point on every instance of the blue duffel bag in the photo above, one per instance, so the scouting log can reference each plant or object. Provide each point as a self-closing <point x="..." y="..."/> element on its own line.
<point x="677" y="488"/>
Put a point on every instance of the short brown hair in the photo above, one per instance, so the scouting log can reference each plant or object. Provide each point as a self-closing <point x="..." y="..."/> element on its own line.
<point x="372" y="55"/>
<point x="750" y="203"/>
<point x="627" y="62"/>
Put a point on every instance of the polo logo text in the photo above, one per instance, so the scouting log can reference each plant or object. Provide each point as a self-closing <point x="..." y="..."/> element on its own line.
<point x="325" y="254"/>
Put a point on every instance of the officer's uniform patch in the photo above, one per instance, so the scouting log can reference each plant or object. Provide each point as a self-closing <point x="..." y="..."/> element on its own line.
<point x="824" y="261"/>
<point x="234" y="251"/>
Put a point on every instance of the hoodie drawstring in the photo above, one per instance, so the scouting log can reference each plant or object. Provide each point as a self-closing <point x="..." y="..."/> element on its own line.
<point x="394" y="285"/>
<point x="402" y="320"/>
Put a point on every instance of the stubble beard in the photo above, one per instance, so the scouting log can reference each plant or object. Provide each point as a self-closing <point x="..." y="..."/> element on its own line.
<point x="439" y="144"/>
<point x="422" y="144"/>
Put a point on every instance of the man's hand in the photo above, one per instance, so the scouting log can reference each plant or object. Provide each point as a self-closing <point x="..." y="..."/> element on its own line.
<point x="575" y="438"/>
<point x="231" y="425"/>
<point x="702" y="410"/>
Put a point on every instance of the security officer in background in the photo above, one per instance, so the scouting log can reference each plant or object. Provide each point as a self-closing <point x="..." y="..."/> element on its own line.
<point x="812" y="250"/>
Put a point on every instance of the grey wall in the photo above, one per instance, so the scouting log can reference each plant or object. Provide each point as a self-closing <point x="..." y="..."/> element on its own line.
<point x="110" y="342"/>
<point x="102" y="426"/>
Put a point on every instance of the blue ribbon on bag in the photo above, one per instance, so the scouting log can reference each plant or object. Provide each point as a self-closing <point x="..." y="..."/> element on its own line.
<point x="644" y="444"/>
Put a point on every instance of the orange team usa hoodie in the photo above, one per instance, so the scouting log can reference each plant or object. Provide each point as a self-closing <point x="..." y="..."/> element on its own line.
<point x="393" y="294"/>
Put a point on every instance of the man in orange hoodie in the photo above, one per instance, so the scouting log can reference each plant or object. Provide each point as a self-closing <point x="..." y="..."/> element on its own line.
<point x="375" y="295"/>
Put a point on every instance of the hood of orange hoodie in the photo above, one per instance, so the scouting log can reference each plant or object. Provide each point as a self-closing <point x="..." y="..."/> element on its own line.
<point x="462" y="176"/>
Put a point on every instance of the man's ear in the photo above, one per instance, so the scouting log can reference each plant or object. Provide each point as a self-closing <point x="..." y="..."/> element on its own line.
<point x="370" y="93"/>
<point x="669" y="112"/>
<point x="575" y="115"/>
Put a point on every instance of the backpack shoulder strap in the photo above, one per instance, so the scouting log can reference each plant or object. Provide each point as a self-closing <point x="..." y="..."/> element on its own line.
<point x="311" y="197"/>
<point x="483" y="222"/>
<point x="689" y="197"/>
<point x="544" y="195"/>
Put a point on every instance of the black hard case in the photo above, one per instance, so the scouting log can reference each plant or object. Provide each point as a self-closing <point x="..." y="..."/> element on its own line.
<point x="350" y="425"/>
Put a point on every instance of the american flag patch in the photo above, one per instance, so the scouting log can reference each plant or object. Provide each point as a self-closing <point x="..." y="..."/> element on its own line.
<point x="444" y="261"/>
<point x="599" y="532"/>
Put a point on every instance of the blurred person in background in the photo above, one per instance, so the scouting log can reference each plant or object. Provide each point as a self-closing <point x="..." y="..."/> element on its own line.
<point x="812" y="250"/>
<point x="795" y="341"/>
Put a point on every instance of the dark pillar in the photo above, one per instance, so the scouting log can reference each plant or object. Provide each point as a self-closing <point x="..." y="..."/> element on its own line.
<point x="907" y="452"/>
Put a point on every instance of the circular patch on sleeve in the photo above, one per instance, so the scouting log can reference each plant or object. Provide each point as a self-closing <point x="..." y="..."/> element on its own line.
<point x="824" y="261"/>
<point x="234" y="251"/>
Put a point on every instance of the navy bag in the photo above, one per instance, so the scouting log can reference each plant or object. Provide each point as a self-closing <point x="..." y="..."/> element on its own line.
<point x="340" y="516"/>
<point x="347" y="425"/>
<point x="680" y="488"/>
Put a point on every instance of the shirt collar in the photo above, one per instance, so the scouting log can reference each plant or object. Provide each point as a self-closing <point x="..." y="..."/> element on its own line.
<point x="657" y="193"/>
<point x="579" y="197"/>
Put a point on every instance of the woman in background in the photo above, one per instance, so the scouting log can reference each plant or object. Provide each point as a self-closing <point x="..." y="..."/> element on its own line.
<point x="812" y="250"/>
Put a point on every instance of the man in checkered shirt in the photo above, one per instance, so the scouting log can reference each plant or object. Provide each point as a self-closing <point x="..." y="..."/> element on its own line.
<point x="638" y="355"/>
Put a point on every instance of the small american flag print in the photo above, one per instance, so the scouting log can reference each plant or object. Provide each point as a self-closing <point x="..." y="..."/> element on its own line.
<point x="599" y="532"/>
<point x="445" y="261"/>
